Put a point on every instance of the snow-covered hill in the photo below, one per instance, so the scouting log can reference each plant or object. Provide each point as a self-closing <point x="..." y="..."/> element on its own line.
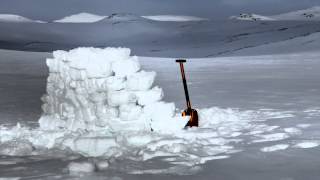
<point x="81" y="18"/>
<point x="307" y="43"/>
<point x="305" y="14"/>
<point x="16" y="18"/>
<point x="175" y="18"/>
<point x="251" y="17"/>
<point x="126" y="17"/>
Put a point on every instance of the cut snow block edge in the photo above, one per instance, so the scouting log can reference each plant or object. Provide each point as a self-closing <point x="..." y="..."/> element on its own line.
<point x="90" y="88"/>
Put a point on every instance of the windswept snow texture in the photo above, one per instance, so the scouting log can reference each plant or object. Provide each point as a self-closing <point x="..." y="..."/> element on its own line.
<point x="16" y="19"/>
<point x="81" y="18"/>
<point x="174" y="18"/>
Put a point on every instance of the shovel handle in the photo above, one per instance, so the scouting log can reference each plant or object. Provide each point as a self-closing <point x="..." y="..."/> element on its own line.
<point x="181" y="61"/>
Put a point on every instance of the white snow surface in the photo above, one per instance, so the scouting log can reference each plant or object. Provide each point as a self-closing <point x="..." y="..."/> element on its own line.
<point x="16" y="19"/>
<point x="81" y="18"/>
<point x="100" y="103"/>
<point x="174" y="18"/>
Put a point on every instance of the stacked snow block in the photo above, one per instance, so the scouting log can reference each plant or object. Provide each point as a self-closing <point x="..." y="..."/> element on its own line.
<point x="92" y="89"/>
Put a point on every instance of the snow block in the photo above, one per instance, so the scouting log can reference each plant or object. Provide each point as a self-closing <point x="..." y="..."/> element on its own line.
<point x="93" y="89"/>
<point x="140" y="81"/>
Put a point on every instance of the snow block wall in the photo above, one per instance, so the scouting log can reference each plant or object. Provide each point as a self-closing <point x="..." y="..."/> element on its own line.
<point x="92" y="89"/>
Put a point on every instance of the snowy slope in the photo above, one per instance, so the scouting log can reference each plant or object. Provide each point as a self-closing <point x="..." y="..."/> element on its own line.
<point x="307" y="43"/>
<point x="154" y="38"/>
<point x="305" y="14"/>
<point x="252" y="17"/>
<point x="16" y="19"/>
<point x="81" y="18"/>
<point x="175" y="18"/>
<point x="122" y="17"/>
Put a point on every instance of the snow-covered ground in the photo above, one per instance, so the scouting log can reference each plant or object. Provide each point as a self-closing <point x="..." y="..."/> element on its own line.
<point x="265" y="106"/>
<point x="258" y="103"/>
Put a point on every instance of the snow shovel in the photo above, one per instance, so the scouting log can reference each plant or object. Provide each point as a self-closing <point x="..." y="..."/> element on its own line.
<point x="189" y="111"/>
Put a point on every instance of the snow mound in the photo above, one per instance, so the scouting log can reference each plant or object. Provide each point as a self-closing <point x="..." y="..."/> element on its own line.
<point x="305" y="14"/>
<point x="252" y="17"/>
<point x="81" y="18"/>
<point x="16" y="19"/>
<point x="174" y="18"/>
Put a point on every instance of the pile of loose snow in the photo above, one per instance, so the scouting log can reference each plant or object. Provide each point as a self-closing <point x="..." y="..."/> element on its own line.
<point x="16" y="18"/>
<point x="174" y="18"/>
<point x="81" y="18"/>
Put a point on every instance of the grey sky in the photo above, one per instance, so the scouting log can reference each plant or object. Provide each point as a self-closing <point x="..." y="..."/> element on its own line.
<point x="53" y="9"/>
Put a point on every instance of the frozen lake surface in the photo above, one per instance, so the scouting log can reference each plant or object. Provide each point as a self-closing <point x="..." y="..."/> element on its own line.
<point x="286" y="88"/>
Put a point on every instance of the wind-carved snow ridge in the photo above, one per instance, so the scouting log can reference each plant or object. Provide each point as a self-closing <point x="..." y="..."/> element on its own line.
<point x="100" y="103"/>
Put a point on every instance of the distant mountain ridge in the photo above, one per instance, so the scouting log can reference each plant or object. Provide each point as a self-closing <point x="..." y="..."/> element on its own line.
<point x="310" y="14"/>
<point x="17" y="19"/>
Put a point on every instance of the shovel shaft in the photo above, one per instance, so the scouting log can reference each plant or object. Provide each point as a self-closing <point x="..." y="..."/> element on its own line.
<point x="184" y="82"/>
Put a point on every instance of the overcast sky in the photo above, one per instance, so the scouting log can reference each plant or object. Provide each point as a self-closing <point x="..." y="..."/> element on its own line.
<point x="53" y="9"/>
